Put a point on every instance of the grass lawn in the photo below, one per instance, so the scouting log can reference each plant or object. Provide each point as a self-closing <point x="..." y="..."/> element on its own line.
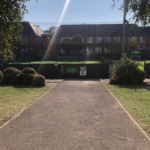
<point x="14" y="99"/>
<point x="53" y="62"/>
<point x="136" y="99"/>
<point x="141" y="64"/>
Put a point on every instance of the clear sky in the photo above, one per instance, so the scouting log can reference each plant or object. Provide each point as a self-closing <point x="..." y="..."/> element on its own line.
<point x="48" y="12"/>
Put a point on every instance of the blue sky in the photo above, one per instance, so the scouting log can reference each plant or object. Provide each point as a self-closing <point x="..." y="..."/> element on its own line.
<point x="47" y="12"/>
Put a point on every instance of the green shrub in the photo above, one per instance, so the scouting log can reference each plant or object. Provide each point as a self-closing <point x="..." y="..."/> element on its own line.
<point x="1" y="75"/>
<point x="38" y="80"/>
<point x="30" y="79"/>
<point x="28" y="70"/>
<point x="9" y="75"/>
<point x="26" y="76"/>
<point x="126" y="72"/>
<point x="11" y="70"/>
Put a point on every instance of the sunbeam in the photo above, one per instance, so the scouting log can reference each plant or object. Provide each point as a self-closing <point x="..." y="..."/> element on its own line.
<point x="63" y="12"/>
<point x="55" y="34"/>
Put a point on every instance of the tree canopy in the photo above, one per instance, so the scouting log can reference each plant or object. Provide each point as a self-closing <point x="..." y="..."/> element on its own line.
<point x="74" y="44"/>
<point x="50" y="31"/>
<point x="133" y="44"/>
<point x="140" y="9"/>
<point x="66" y="44"/>
<point x="11" y="15"/>
<point x="77" y="43"/>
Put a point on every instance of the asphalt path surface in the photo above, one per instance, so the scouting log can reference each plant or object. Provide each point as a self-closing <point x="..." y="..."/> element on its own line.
<point x="75" y="115"/>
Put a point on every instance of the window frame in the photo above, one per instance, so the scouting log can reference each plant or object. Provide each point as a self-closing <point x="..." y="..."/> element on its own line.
<point x="87" y="39"/>
<point x="107" y="40"/>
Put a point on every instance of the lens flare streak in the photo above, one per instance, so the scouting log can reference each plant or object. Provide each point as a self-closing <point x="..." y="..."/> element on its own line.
<point x="63" y="12"/>
<point x="60" y="20"/>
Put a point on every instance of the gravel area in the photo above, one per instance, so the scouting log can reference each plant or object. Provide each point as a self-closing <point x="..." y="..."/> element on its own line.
<point x="75" y="115"/>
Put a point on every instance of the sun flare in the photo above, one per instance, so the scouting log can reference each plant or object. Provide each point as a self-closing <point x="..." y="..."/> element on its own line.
<point x="54" y="36"/>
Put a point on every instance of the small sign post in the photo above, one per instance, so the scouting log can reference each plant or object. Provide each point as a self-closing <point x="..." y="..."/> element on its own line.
<point x="56" y="65"/>
<point x="135" y="52"/>
<point x="83" y="71"/>
<point x="56" y="68"/>
<point x="71" y="70"/>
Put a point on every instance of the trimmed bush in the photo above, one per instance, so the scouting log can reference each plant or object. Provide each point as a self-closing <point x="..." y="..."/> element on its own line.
<point x="38" y="80"/>
<point x="26" y="76"/>
<point x="24" y="79"/>
<point x="9" y="75"/>
<point x="28" y="70"/>
<point x="1" y="75"/>
<point x="126" y="72"/>
<point x="11" y="70"/>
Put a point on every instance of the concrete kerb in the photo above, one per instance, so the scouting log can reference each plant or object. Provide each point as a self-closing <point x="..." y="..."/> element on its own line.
<point x="27" y="107"/>
<point x="146" y="136"/>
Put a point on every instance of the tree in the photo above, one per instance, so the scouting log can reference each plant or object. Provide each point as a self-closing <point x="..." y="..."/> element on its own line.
<point x="66" y="44"/>
<point x="77" y="43"/>
<point x="132" y="44"/>
<point x="140" y="9"/>
<point x="74" y="44"/>
<point x="11" y="15"/>
<point x="50" y="31"/>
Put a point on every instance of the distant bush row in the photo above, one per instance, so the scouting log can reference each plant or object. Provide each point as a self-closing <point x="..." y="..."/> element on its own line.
<point x="27" y="76"/>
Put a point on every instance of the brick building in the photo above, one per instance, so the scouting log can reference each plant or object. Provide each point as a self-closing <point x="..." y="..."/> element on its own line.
<point x="99" y="39"/>
<point x="32" y="42"/>
<point x="147" y="38"/>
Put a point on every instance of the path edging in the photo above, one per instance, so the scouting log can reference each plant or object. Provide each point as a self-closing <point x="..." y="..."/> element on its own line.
<point x="18" y="114"/>
<point x="138" y="126"/>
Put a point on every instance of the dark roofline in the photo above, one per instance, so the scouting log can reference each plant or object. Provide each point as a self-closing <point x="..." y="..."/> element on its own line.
<point x="97" y="30"/>
<point x="31" y="29"/>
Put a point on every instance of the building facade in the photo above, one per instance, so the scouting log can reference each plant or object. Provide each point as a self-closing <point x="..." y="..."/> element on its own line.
<point x="32" y="42"/>
<point x="98" y="39"/>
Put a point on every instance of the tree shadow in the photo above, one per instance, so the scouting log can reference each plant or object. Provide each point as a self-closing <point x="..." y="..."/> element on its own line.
<point x="20" y="86"/>
<point x="136" y="87"/>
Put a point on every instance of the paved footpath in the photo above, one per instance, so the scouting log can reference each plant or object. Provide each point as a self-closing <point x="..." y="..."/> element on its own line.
<point x="75" y="115"/>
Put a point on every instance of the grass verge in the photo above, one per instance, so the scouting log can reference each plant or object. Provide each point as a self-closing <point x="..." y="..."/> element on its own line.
<point x="15" y="99"/>
<point x="53" y="62"/>
<point x="136" y="100"/>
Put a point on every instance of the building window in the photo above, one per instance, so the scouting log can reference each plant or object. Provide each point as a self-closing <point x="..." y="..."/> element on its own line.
<point x="83" y="39"/>
<point x="142" y="39"/>
<point x="98" y="50"/>
<point x="61" y="39"/>
<point x="134" y="38"/>
<point x="24" y="40"/>
<point x="12" y="50"/>
<point x="89" y="39"/>
<point x="61" y="51"/>
<point x="107" y="50"/>
<point x="89" y="50"/>
<point x="116" y="39"/>
<point x="115" y="49"/>
<point x="107" y="39"/>
<point x="98" y="39"/>
<point x="24" y="52"/>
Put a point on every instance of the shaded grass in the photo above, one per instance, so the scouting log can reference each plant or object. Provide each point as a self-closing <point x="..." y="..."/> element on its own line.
<point x="136" y="99"/>
<point x="14" y="99"/>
